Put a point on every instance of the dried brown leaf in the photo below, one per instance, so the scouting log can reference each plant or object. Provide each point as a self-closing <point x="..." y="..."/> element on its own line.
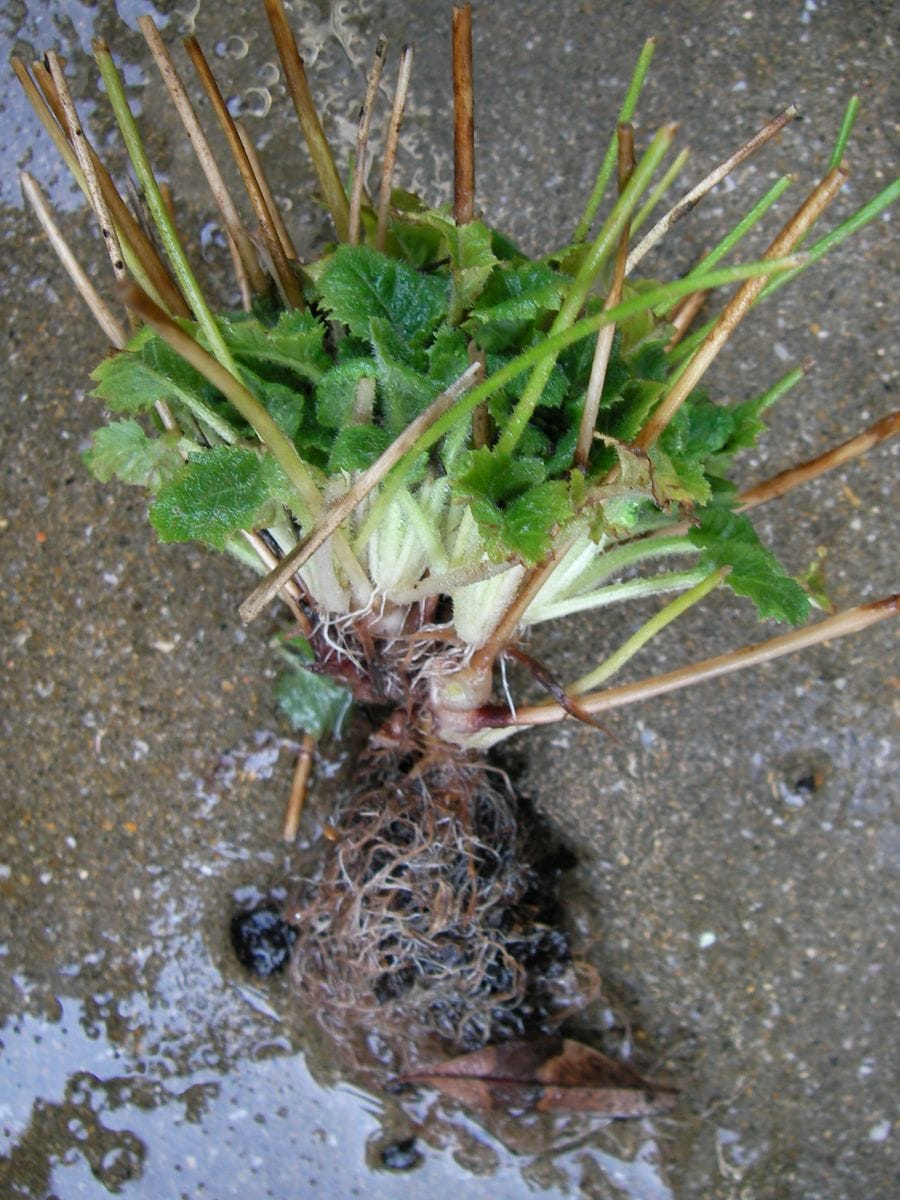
<point x="549" y="1074"/>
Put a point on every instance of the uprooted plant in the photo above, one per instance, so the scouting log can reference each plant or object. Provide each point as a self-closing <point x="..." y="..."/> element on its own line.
<point x="426" y="443"/>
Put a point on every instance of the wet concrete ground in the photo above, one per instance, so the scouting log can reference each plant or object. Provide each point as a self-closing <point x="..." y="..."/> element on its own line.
<point x="737" y="885"/>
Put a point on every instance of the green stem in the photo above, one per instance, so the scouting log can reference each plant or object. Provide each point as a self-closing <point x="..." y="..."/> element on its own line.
<point x="648" y="630"/>
<point x="609" y="159"/>
<point x="620" y="558"/>
<point x="844" y="133"/>
<point x="604" y="244"/>
<point x="868" y="212"/>
<point x="743" y="226"/>
<point x="661" y="188"/>
<point x="616" y="593"/>
<point x="165" y="228"/>
<point x="553" y="345"/>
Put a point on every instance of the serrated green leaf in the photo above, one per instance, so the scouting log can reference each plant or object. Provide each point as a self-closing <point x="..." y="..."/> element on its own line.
<point x="521" y="293"/>
<point x="144" y="372"/>
<point x="360" y="284"/>
<point x="357" y="446"/>
<point x="312" y="703"/>
<point x="404" y="391"/>
<point x="284" y="404"/>
<point x="294" y="343"/>
<point x="216" y="493"/>
<point x="122" y="450"/>
<point x="729" y="539"/>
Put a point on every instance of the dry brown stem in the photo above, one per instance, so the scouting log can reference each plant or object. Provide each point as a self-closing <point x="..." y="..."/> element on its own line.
<point x="391" y="143"/>
<point x="739" y="305"/>
<point x="247" y="261"/>
<point x="287" y="280"/>
<point x="362" y="140"/>
<point x="317" y="143"/>
<point x="778" y="485"/>
<point x="852" y="620"/>
<point x="463" y="117"/>
<point x="716" y="175"/>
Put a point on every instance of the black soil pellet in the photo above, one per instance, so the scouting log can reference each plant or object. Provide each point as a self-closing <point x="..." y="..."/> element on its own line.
<point x="401" y="1156"/>
<point x="262" y="940"/>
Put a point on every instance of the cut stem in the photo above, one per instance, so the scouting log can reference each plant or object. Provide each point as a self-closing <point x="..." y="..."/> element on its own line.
<point x="778" y="485"/>
<point x="89" y="294"/>
<point x="738" y="307"/>
<point x="463" y="118"/>
<point x="302" y="770"/>
<point x="852" y="620"/>
<point x="166" y="230"/>
<point x="259" y="172"/>
<point x="606" y="335"/>
<point x="317" y="144"/>
<point x="390" y="149"/>
<point x="626" y="112"/>
<point x="605" y="242"/>
<point x="837" y="154"/>
<point x="287" y="280"/>
<point x="247" y="259"/>
<point x="362" y="140"/>
<point x="140" y="254"/>
<point x="86" y="163"/>
<point x="716" y="175"/>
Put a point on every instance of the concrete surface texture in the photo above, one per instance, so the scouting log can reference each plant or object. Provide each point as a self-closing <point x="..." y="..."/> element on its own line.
<point x="738" y="854"/>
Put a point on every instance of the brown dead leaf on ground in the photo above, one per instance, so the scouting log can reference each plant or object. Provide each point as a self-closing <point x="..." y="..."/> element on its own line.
<point x="549" y="1074"/>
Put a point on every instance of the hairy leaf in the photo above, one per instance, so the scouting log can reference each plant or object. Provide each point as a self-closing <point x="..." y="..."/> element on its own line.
<point x="312" y="703"/>
<point x="216" y="493"/>
<point x="336" y="391"/>
<point x="728" y="539"/>
<point x="122" y="450"/>
<point x="144" y="372"/>
<point x="360" y="284"/>
<point x="531" y="519"/>
<point x="294" y="343"/>
<point x="357" y="446"/>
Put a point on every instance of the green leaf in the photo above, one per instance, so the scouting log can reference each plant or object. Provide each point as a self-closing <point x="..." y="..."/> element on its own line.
<point x="729" y="539"/>
<point x="521" y="293"/>
<point x="336" y="391"/>
<point x="216" y="493"/>
<point x="497" y="478"/>
<point x="144" y="372"/>
<point x="360" y="285"/>
<point x="123" y="450"/>
<point x="403" y="390"/>
<point x="472" y="259"/>
<point x="312" y="703"/>
<point x="531" y="519"/>
<point x="356" y="447"/>
<point x="284" y="404"/>
<point x="294" y="343"/>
